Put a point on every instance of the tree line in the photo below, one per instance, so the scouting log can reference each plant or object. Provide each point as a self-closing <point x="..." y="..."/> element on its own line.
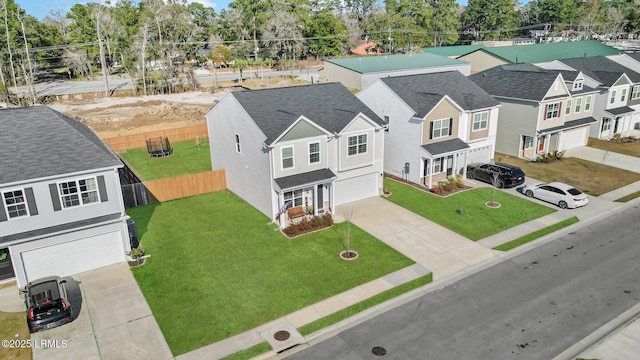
<point x="153" y="40"/>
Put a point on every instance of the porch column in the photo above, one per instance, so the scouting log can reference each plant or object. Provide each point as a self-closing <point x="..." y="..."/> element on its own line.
<point x="280" y="203"/>
<point x="332" y="196"/>
<point x="315" y="200"/>
<point x="430" y="172"/>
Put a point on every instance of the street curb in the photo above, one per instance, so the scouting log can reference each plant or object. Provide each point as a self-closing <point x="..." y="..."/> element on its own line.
<point x="605" y="332"/>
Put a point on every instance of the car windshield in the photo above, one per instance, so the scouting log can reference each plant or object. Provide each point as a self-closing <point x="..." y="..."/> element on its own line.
<point x="574" y="191"/>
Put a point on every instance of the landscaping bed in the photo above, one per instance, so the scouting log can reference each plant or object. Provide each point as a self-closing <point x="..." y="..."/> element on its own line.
<point x="466" y="212"/>
<point x="218" y="267"/>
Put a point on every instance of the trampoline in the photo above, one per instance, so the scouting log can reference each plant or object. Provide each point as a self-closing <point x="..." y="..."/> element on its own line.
<point x="159" y="147"/>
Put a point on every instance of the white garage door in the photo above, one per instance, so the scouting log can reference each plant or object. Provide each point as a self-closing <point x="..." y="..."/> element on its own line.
<point x="479" y="155"/>
<point x="356" y="188"/>
<point x="74" y="256"/>
<point x="573" y="138"/>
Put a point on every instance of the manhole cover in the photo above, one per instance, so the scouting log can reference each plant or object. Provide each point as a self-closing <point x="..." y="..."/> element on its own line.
<point x="379" y="351"/>
<point x="281" y="335"/>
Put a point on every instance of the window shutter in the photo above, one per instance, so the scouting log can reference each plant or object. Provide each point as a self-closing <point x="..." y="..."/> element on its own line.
<point x="3" y="214"/>
<point x="430" y="130"/>
<point x="450" y="126"/>
<point x="559" y="109"/>
<point x="31" y="201"/>
<point x="102" y="189"/>
<point x="55" y="198"/>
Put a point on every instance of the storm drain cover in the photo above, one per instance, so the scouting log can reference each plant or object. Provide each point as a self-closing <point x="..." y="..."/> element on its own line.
<point x="379" y="351"/>
<point x="281" y="335"/>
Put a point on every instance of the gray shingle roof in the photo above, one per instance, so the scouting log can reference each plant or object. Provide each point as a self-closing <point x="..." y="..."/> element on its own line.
<point x="310" y="177"/>
<point x="569" y="125"/>
<point x="604" y="69"/>
<point x="513" y="82"/>
<point x="38" y="142"/>
<point x="329" y="105"/>
<point x="422" y="92"/>
<point x="620" y="110"/>
<point x="447" y="146"/>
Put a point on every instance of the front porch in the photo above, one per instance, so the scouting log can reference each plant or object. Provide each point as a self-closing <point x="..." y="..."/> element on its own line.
<point x="442" y="160"/>
<point x="304" y="195"/>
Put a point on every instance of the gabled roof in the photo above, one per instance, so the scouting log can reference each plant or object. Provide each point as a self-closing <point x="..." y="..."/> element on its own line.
<point x="38" y="142"/>
<point x="456" y="50"/>
<point x="538" y="53"/>
<point x="601" y="69"/>
<point x="516" y="81"/>
<point x="423" y="91"/>
<point x="380" y="63"/>
<point x="330" y="106"/>
<point x="363" y="49"/>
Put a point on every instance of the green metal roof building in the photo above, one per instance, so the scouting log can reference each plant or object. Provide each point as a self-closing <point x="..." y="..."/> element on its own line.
<point x="453" y="51"/>
<point x="358" y="72"/>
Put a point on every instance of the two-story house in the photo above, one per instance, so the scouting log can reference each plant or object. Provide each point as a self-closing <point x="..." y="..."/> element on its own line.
<point x="620" y="88"/>
<point x="314" y="147"/>
<point x="541" y="111"/>
<point x="62" y="211"/>
<point x="437" y="124"/>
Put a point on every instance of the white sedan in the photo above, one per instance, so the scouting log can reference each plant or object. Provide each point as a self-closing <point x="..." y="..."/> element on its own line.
<point x="563" y="195"/>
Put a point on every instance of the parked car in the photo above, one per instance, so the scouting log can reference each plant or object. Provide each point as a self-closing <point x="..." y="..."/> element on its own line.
<point x="47" y="304"/>
<point x="563" y="195"/>
<point x="498" y="174"/>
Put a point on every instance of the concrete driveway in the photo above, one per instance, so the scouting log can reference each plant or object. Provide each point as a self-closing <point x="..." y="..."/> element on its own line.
<point x="112" y="321"/>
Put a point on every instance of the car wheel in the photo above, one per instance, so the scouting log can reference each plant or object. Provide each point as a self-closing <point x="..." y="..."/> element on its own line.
<point x="471" y="175"/>
<point x="500" y="184"/>
<point x="529" y="193"/>
<point x="562" y="204"/>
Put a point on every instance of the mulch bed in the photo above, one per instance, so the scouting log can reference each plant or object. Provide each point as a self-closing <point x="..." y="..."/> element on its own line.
<point x="424" y="188"/>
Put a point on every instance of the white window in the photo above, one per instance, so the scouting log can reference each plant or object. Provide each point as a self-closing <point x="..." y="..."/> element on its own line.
<point x="606" y="124"/>
<point x="238" y="143"/>
<point x="386" y="121"/>
<point x="314" y="152"/>
<point x="15" y="203"/>
<point x="480" y="121"/>
<point x="357" y="144"/>
<point x="568" y="110"/>
<point x="623" y="97"/>
<point x="613" y="97"/>
<point x="437" y="165"/>
<point x="553" y="111"/>
<point x="440" y="128"/>
<point x="528" y="142"/>
<point x="578" y="105"/>
<point x="587" y="103"/>
<point x="78" y="192"/>
<point x="635" y="93"/>
<point x="294" y="197"/>
<point x="287" y="157"/>
<point x="577" y="85"/>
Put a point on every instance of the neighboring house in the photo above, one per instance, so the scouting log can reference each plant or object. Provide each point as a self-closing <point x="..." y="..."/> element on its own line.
<point x="358" y="72"/>
<point x="307" y="147"/>
<point x="62" y="211"/>
<point x="487" y="57"/>
<point x="364" y="48"/>
<point x="542" y="110"/>
<point x="437" y="124"/>
<point x="618" y="103"/>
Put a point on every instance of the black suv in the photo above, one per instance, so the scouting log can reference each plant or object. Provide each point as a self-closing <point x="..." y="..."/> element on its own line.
<point x="499" y="174"/>
<point x="47" y="305"/>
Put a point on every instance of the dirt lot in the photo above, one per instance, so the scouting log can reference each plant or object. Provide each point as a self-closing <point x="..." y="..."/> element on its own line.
<point x="116" y="116"/>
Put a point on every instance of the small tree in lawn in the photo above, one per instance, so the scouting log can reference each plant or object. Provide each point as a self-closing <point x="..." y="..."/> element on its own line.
<point x="347" y="236"/>
<point x="497" y="183"/>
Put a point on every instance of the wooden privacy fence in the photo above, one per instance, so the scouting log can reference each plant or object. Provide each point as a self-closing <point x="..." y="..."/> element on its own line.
<point x="136" y="141"/>
<point x="187" y="185"/>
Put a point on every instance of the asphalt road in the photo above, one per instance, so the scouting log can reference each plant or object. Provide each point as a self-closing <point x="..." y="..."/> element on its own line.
<point x="532" y="306"/>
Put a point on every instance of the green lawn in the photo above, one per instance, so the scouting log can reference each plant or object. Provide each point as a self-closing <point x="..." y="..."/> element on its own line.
<point x="477" y="221"/>
<point x="186" y="159"/>
<point x="536" y="234"/>
<point x="218" y="267"/>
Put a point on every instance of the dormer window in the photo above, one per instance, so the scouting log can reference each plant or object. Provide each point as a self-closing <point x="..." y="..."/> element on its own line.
<point x="578" y="85"/>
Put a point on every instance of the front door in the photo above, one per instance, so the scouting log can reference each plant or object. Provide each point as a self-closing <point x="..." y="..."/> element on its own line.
<point x="6" y="268"/>
<point x="541" y="143"/>
<point x="615" y="125"/>
<point x="449" y="165"/>
<point x="320" y="203"/>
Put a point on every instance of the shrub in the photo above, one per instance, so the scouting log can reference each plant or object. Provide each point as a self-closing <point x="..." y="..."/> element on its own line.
<point x="459" y="181"/>
<point x="307" y="225"/>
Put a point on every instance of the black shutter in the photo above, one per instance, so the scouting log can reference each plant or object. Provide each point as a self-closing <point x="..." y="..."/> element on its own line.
<point x="3" y="214"/>
<point x="102" y="189"/>
<point x="55" y="197"/>
<point x="450" y="126"/>
<point x="31" y="201"/>
<point x="430" y="130"/>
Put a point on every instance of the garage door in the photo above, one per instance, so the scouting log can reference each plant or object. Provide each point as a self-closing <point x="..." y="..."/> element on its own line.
<point x="479" y="155"/>
<point x="573" y="138"/>
<point x="74" y="256"/>
<point x="356" y="188"/>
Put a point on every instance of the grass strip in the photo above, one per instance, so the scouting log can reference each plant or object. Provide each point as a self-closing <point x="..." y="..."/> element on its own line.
<point x="363" y="305"/>
<point x="249" y="353"/>
<point x="536" y="234"/>
<point x="629" y="197"/>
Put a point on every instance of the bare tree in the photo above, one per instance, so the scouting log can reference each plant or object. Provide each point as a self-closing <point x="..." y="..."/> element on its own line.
<point x="283" y="32"/>
<point x="28" y="79"/>
<point x="77" y="61"/>
<point x="103" y="20"/>
<point x="141" y="45"/>
<point x="4" y="8"/>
